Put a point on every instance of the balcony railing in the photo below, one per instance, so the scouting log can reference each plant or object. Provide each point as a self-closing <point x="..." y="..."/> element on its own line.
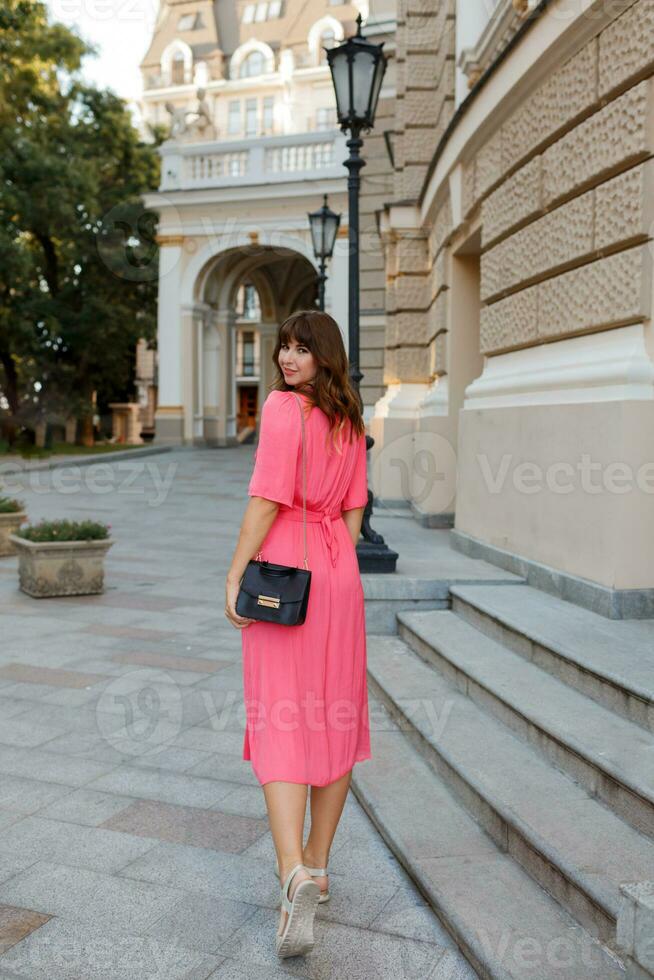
<point x="264" y="160"/>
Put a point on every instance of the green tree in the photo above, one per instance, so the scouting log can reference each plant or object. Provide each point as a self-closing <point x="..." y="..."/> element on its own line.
<point x="78" y="258"/>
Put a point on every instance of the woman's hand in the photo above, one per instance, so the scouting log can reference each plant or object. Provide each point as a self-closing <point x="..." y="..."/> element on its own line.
<point x="231" y="595"/>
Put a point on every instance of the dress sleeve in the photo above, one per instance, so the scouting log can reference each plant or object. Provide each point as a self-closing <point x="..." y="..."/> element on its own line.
<point x="356" y="494"/>
<point x="278" y="449"/>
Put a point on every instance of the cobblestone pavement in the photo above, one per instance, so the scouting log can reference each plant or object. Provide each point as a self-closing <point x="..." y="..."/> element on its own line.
<point x="134" y="841"/>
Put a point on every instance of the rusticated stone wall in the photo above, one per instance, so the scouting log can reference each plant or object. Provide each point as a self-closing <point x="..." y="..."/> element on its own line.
<point x="415" y="279"/>
<point x="565" y="191"/>
<point x="425" y="88"/>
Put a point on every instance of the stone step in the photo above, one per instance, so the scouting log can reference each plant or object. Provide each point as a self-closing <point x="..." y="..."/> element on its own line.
<point x="506" y="925"/>
<point x="613" y="758"/>
<point x="571" y="843"/>
<point x="608" y="660"/>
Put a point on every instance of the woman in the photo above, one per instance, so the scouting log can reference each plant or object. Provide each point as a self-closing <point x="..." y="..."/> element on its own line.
<point x="305" y="686"/>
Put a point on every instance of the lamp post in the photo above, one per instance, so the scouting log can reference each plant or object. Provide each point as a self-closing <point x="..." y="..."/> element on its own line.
<point x="324" y="224"/>
<point x="358" y="68"/>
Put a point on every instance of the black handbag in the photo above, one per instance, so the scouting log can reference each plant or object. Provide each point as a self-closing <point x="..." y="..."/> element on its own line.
<point x="278" y="593"/>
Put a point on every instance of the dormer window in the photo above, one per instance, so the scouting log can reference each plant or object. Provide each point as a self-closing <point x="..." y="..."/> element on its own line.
<point x="327" y="39"/>
<point x="189" y="22"/>
<point x="324" y="33"/>
<point x="254" y="64"/>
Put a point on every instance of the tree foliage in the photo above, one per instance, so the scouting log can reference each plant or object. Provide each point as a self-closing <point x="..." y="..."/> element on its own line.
<point x="78" y="260"/>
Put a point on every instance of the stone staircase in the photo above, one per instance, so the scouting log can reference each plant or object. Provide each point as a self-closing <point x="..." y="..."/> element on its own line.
<point x="513" y="777"/>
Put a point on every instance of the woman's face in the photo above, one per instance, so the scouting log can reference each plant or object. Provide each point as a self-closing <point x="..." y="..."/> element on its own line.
<point x="297" y="363"/>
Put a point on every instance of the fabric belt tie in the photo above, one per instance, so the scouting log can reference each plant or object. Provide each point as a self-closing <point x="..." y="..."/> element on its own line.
<point x="322" y="517"/>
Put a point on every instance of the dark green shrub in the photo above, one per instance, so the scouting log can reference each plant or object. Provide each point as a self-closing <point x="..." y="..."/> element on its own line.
<point x="8" y="505"/>
<point x="65" y="530"/>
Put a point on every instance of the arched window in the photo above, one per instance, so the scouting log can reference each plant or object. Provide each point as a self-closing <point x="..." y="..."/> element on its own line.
<point x="254" y="64"/>
<point x="177" y="74"/>
<point x="327" y="39"/>
<point x="248" y="305"/>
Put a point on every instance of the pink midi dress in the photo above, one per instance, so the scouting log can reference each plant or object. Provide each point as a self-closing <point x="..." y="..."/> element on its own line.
<point x="305" y="689"/>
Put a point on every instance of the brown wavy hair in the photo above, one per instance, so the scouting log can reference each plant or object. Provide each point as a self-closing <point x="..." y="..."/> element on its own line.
<point x="332" y="390"/>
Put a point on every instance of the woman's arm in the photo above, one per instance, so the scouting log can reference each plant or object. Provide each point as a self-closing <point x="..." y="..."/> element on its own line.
<point x="354" y="519"/>
<point x="257" y="521"/>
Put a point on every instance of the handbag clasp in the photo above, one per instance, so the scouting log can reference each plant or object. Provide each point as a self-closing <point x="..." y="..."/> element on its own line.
<point x="268" y="600"/>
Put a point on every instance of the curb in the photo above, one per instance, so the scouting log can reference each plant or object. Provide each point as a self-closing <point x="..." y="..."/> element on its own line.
<point x="55" y="464"/>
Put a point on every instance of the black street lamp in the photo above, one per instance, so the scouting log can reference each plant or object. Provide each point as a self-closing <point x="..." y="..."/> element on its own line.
<point x="324" y="224"/>
<point x="357" y="68"/>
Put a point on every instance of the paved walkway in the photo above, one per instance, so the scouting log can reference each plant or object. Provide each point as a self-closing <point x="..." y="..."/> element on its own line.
<point x="134" y="841"/>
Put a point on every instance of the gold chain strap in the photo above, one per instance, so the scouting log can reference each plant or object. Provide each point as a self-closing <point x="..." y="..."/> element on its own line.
<point x="304" y="483"/>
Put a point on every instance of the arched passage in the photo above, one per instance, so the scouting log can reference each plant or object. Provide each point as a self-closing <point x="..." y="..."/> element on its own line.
<point x="227" y="344"/>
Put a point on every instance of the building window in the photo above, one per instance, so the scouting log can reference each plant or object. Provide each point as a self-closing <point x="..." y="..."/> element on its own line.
<point x="250" y="117"/>
<point x="268" y="120"/>
<point x="188" y="22"/>
<point x="234" y="119"/>
<point x="254" y="64"/>
<point x="262" y="11"/>
<point x="248" y="348"/>
<point x="326" y="117"/>
<point x="177" y="75"/>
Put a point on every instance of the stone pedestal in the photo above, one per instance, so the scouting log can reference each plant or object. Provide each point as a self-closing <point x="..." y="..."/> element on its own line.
<point x="126" y="422"/>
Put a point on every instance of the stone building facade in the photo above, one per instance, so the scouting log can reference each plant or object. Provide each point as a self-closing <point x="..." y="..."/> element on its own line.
<point x="519" y="352"/>
<point x="246" y="92"/>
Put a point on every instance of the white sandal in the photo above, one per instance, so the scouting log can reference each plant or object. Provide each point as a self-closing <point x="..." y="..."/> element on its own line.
<point x="297" y="937"/>
<point x="315" y="873"/>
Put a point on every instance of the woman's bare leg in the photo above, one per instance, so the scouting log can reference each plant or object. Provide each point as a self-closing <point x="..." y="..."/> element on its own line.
<point x="287" y="804"/>
<point x="327" y="804"/>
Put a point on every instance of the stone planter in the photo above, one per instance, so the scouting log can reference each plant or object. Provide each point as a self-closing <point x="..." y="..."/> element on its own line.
<point x="56" y="568"/>
<point x="9" y="524"/>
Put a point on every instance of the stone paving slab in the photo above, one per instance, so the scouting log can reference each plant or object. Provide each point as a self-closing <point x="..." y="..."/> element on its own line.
<point x="131" y="829"/>
<point x="30" y="673"/>
<point x="200" y="827"/>
<point x="17" y="923"/>
<point x="74" y="845"/>
<point x="120" y="904"/>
